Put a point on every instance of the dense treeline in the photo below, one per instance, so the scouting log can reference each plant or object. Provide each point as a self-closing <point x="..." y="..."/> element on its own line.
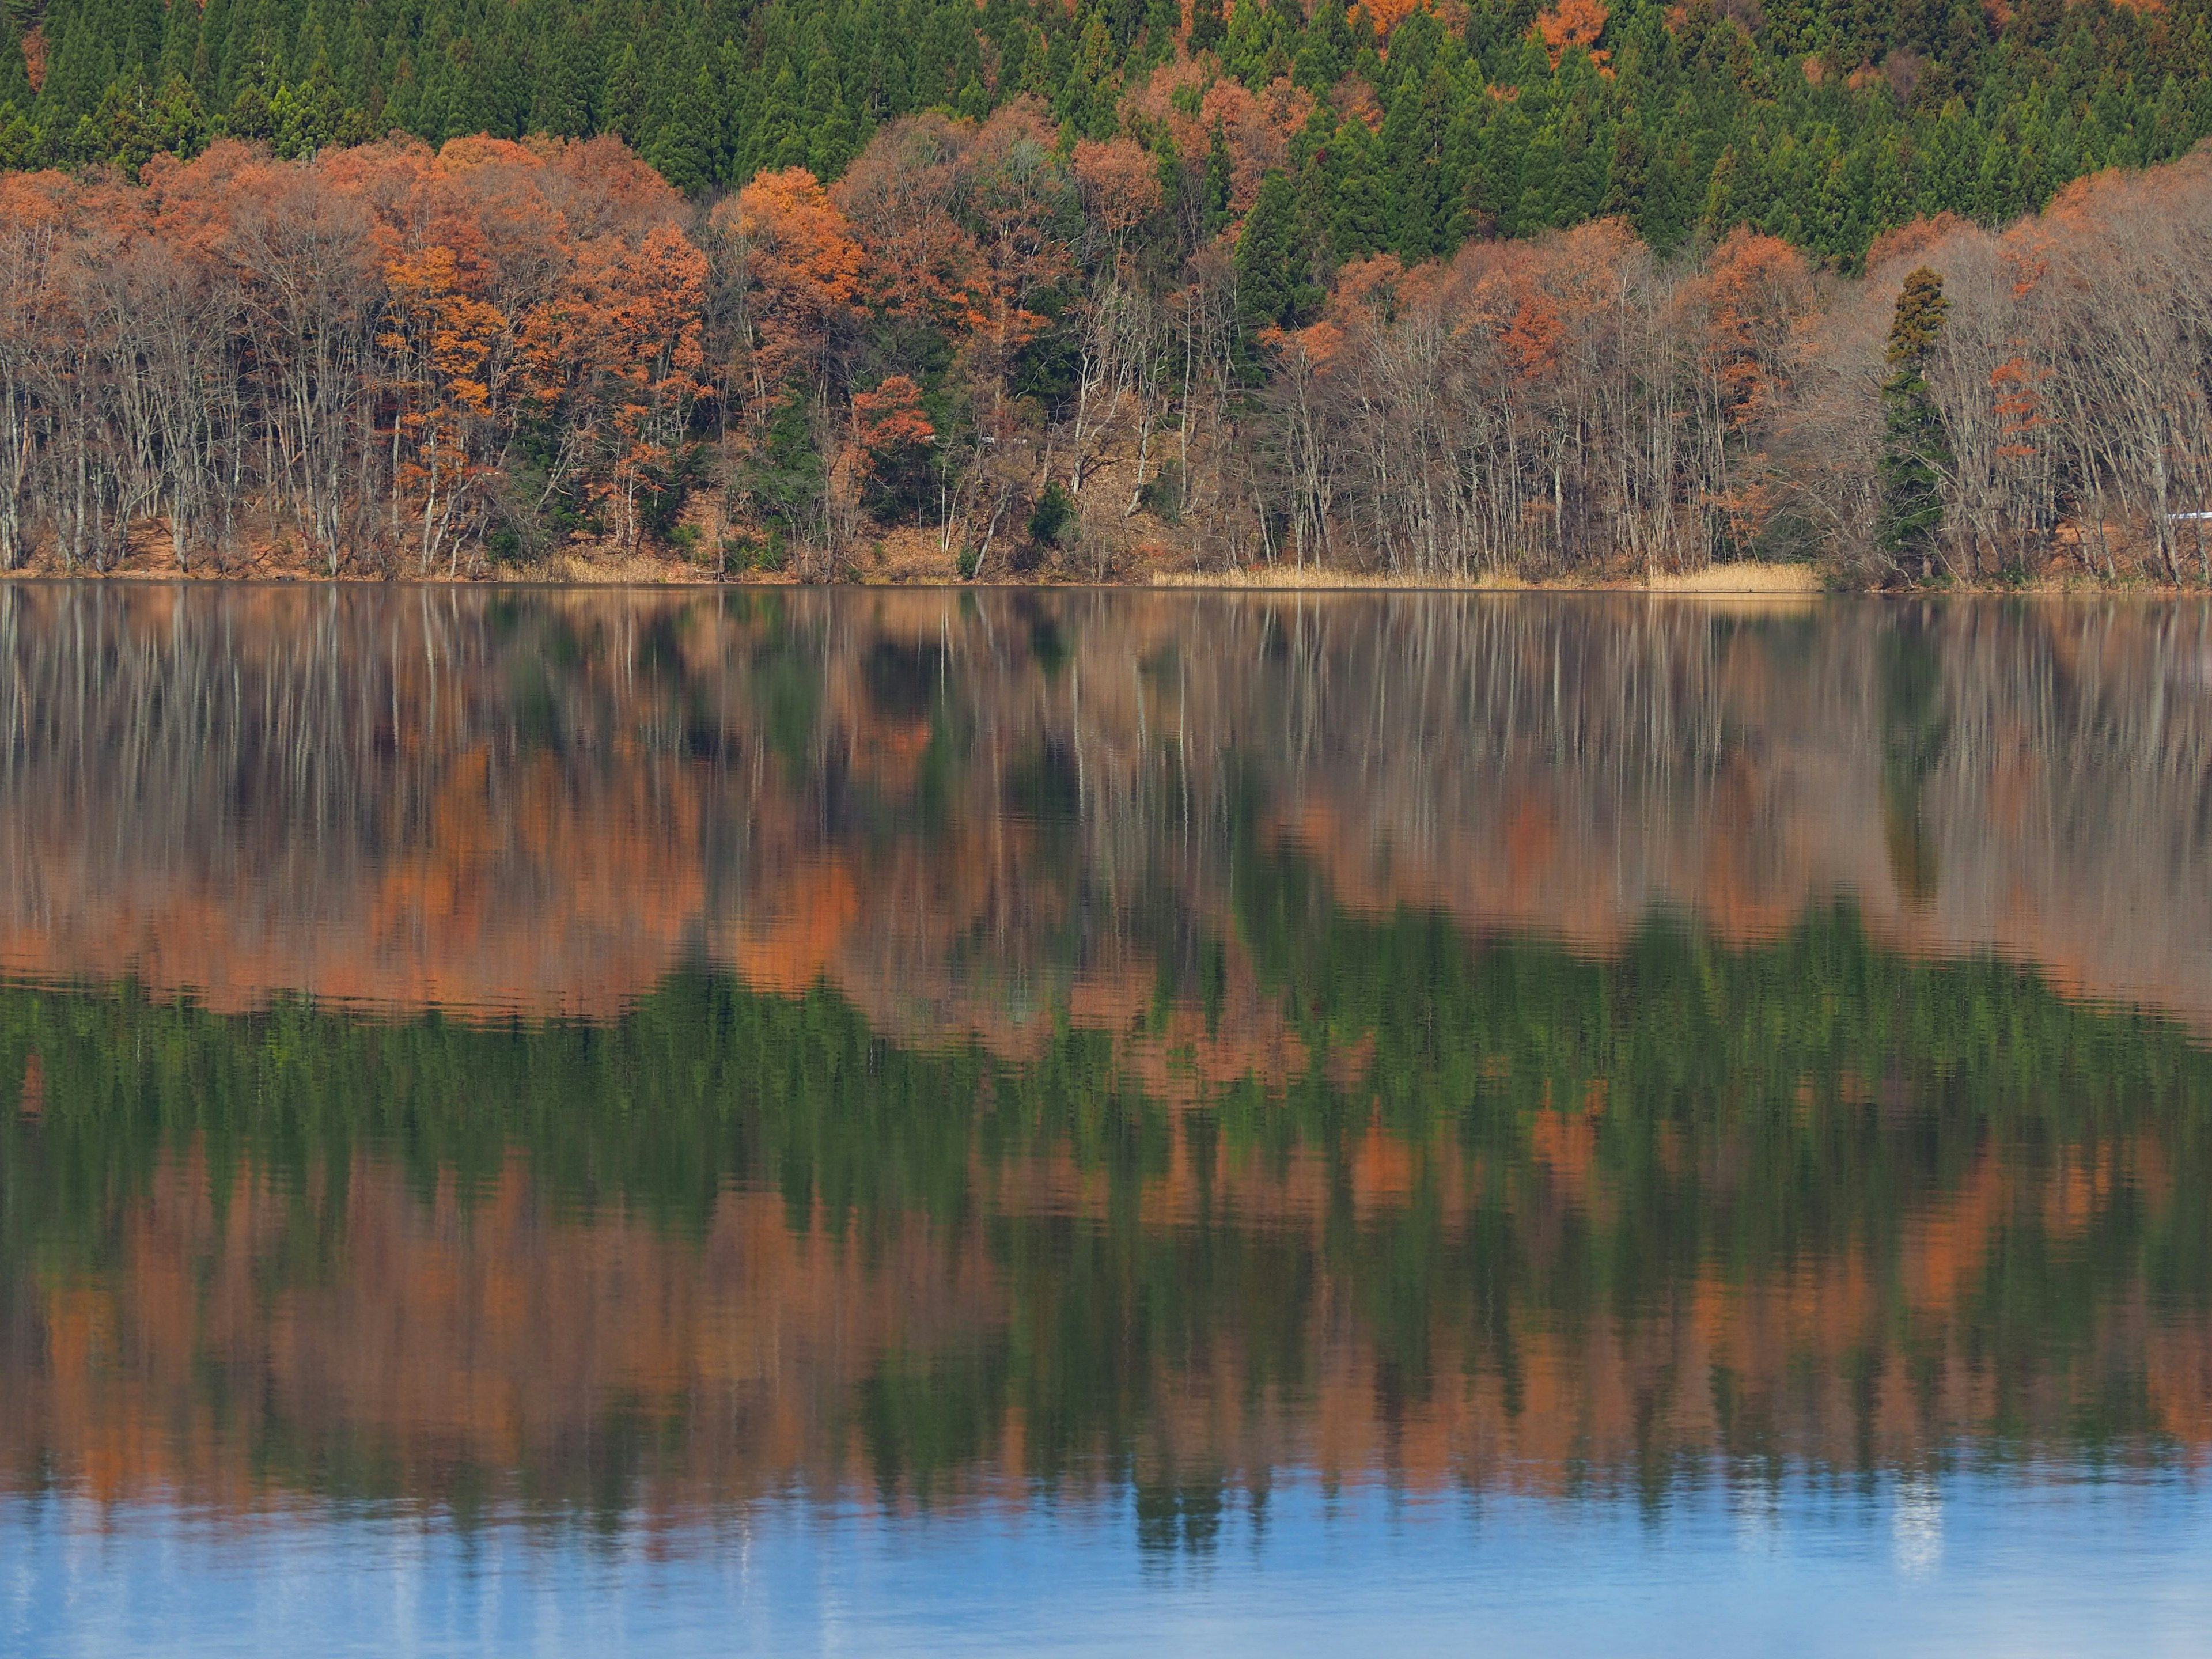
<point x="1015" y="351"/>
<point x="1411" y="130"/>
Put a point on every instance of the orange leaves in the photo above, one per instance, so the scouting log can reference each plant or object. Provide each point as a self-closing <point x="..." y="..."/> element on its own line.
<point x="900" y="195"/>
<point x="960" y="224"/>
<point x="1572" y="23"/>
<point x="549" y="283"/>
<point x="889" y="419"/>
<point x="651" y="302"/>
<point x="801" y="246"/>
<point x="1389" y="14"/>
<point x="797" y="235"/>
<point x="454" y="332"/>
<point x="1533" y="338"/>
<point x="1909" y="241"/>
<point x="1121" y="183"/>
<point x="623" y="351"/>
<point x="441" y="337"/>
<point x="801" y="268"/>
<point x="2018" y="410"/>
<point x="1754" y="292"/>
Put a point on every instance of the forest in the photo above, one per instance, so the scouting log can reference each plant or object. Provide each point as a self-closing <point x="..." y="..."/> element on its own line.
<point x="863" y="290"/>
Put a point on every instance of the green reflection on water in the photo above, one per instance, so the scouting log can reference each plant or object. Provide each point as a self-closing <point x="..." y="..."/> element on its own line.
<point x="1742" y="1114"/>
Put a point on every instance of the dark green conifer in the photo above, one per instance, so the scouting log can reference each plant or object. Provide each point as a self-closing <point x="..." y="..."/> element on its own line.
<point x="1916" y="455"/>
<point x="15" y="75"/>
<point x="1207" y="28"/>
<point x="1214" y="191"/>
<point x="1359" y="221"/>
<point x="1274" y="285"/>
<point x="622" y="104"/>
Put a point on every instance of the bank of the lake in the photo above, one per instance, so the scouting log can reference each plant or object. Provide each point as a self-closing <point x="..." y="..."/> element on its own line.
<point x="1758" y="578"/>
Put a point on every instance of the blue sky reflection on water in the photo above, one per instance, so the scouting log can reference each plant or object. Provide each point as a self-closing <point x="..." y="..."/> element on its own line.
<point x="1963" y="1563"/>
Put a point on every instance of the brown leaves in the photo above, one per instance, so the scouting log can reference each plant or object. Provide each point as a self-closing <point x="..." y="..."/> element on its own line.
<point x="1121" y="183"/>
<point x="1572" y="23"/>
<point x="1755" y="292"/>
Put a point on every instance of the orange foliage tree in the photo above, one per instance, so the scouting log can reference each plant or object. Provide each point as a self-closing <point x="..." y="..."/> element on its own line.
<point x="440" y="337"/>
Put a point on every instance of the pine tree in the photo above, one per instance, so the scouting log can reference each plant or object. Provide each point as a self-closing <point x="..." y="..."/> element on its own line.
<point x="1359" y="223"/>
<point x="1215" y="189"/>
<point x="1274" y="286"/>
<point x="14" y="78"/>
<point x="1412" y="146"/>
<point x="1325" y="51"/>
<point x="1207" y="28"/>
<point x="1916" y="455"/>
<point x="621" y="104"/>
<point x="562" y="103"/>
<point x="690" y="145"/>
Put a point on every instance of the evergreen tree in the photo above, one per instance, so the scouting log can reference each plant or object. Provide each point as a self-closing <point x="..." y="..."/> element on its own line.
<point x="1274" y="285"/>
<point x="1214" y="191"/>
<point x="1325" y="51"/>
<point x="622" y="104"/>
<point x="1697" y="117"/>
<point x="1359" y="221"/>
<point x="1915" y="454"/>
<point x="15" y="76"/>
<point x="1207" y="28"/>
<point x="688" y="150"/>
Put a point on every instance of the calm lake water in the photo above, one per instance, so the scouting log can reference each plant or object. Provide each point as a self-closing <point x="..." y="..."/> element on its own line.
<point x="931" y="1121"/>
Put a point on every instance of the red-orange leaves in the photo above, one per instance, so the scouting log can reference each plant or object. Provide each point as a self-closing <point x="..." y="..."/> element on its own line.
<point x="1121" y="183"/>
<point x="441" y="337"/>
<point x="800" y="270"/>
<point x="2017" y="410"/>
<point x="1755" y="292"/>
<point x="645" y="357"/>
<point x="889" y="419"/>
<point x="449" y="332"/>
<point x="1572" y="23"/>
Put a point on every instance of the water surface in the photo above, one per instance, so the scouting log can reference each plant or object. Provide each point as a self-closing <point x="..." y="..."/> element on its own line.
<point x="568" y="1121"/>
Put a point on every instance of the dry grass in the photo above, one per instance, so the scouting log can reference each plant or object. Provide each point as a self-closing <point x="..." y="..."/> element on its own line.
<point x="905" y="556"/>
<point x="1746" y="578"/>
<point x="1762" y="581"/>
<point x="614" y="569"/>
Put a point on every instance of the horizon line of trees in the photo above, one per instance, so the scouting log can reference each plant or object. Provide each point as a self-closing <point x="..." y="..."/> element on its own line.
<point x="1073" y="356"/>
<point x="1426" y="124"/>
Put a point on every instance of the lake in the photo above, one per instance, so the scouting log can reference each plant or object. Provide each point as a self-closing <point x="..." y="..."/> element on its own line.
<point x="587" y="1120"/>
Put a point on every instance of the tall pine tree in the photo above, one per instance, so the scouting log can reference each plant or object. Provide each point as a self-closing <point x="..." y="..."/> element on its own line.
<point x="1915" y="454"/>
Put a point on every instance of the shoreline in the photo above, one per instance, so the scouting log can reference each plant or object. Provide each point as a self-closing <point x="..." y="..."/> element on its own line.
<point x="1763" y="582"/>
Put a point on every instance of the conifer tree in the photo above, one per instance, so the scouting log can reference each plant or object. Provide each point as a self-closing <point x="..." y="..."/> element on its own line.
<point x="1207" y="28"/>
<point x="1215" y="188"/>
<point x="1359" y="223"/>
<point x="14" y="77"/>
<point x="1325" y="51"/>
<point x="1916" y="456"/>
<point x="1274" y="286"/>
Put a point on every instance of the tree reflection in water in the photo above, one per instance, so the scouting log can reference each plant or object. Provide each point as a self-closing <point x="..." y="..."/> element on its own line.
<point x="611" y="1053"/>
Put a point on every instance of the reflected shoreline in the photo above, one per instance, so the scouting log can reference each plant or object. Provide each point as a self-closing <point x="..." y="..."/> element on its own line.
<point x="624" y="1052"/>
<point x="967" y="808"/>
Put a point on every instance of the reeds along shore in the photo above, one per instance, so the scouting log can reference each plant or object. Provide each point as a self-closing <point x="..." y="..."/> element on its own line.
<point x="984" y="354"/>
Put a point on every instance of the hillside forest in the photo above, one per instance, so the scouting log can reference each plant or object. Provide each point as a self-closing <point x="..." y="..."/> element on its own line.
<point x="416" y="286"/>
